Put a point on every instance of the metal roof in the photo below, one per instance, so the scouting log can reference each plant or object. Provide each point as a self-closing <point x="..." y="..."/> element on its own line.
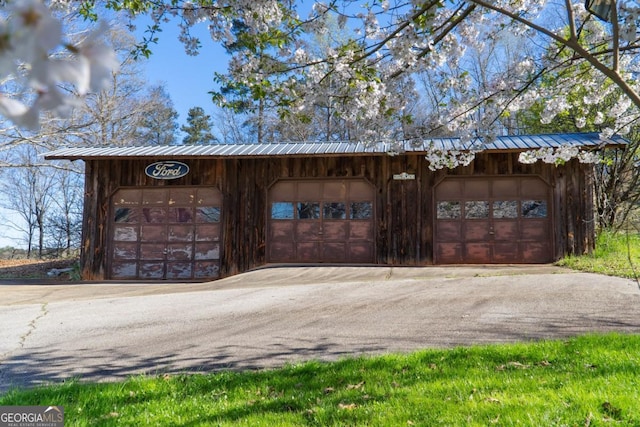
<point x="502" y="143"/>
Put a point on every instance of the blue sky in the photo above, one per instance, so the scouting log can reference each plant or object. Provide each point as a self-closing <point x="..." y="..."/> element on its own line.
<point x="188" y="79"/>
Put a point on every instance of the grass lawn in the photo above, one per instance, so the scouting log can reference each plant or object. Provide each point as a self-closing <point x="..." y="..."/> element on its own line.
<point x="590" y="380"/>
<point x="616" y="254"/>
<point x="586" y="381"/>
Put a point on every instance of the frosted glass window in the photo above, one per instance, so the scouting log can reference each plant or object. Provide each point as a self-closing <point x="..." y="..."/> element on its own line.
<point x="308" y="210"/>
<point x="282" y="210"/>
<point x="505" y="209"/>
<point x="476" y="210"/>
<point x="448" y="210"/>
<point x="534" y="208"/>
<point x="335" y="211"/>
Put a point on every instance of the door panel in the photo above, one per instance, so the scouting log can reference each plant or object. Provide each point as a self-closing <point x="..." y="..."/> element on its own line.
<point x="207" y="251"/>
<point x="493" y="220"/>
<point x="124" y="250"/>
<point x="149" y="251"/>
<point x="181" y="233"/>
<point x="179" y="252"/>
<point x="332" y="221"/>
<point x="503" y="252"/>
<point x="477" y="252"/>
<point x="153" y="233"/>
<point x="449" y="253"/>
<point x="206" y="270"/>
<point x="282" y="251"/>
<point x="334" y="230"/>
<point x="125" y="234"/>
<point x="361" y="251"/>
<point x="308" y="251"/>
<point x="476" y="189"/>
<point x="308" y="230"/>
<point x="477" y="230"/>
<point x="152" y="270"/>
<point x="505" y="230"/>
<point x="535" y="252"/>
<point x="165" y="233"/>
<point x="179" y="270"/>
<point x="124" y="269"/>
<point x="449" y="230"/>
<point x="281" y="231"/>
<point x="207" y="233"/>
<point x="334" y="251"/>
<point x="360" y="230"/>
<point x="534" y="230"/>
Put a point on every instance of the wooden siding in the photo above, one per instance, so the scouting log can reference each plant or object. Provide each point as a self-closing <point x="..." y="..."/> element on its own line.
<point x="404" y="209"/>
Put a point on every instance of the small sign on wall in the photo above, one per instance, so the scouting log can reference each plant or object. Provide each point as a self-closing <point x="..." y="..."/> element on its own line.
<point x="167" y="170"/>
<point x="404" y="176"/>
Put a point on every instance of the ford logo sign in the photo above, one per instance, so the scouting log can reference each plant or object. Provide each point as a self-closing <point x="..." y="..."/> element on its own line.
<point x="167" y="170"/>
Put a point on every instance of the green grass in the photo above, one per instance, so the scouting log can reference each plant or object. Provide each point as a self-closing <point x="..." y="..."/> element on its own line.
<point x="616" y="254"/>
<point x="585" y="381"/>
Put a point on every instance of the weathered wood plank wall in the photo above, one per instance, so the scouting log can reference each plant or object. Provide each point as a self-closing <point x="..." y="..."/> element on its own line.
<point x="404" y="209"/>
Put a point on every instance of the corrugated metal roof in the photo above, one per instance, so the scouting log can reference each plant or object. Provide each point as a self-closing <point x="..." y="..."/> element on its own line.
<point x="502" y="143"/>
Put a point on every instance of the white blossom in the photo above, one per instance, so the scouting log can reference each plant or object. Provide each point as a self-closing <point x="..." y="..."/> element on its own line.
<point x="19" y="113"/>
<point x="31" y="52"/>
<point x="99" y="60"/>
<point x="559" y="155"/>
<point x="358" y="76"/>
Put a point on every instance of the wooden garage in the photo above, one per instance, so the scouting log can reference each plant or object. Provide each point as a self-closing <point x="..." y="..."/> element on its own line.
<point x="205" y="212"/>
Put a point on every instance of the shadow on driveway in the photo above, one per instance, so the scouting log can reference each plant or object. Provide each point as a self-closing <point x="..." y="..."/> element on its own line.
<point x="268" y="318"/>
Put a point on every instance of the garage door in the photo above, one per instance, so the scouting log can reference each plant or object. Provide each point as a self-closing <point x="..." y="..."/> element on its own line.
<point x="321" y="221"/>
<point x="165" y="233"/>
<point x="493" y="220"/>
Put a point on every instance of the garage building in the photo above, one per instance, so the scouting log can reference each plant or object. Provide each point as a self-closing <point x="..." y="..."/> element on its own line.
<point x="205" y="212"/>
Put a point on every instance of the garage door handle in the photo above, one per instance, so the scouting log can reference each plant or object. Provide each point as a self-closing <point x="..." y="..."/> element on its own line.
<point x="492" y="232"/>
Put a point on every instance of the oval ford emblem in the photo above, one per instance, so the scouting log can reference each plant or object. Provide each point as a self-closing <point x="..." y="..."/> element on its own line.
<point x="167" y="170"/>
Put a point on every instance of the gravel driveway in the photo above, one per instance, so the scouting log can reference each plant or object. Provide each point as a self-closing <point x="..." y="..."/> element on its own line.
<point x="265" y="318"/>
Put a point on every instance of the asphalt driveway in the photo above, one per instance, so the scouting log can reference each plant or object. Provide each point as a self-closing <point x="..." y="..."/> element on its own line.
<point x="269" y="317"/>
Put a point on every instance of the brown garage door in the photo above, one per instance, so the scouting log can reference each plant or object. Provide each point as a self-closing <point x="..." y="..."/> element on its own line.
<point x="493" y="220"/>
<point x="165" y="233"/>
<point x="321" y="221"/>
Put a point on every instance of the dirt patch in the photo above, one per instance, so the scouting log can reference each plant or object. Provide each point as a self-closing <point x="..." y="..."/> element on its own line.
<point x="36" y="269"/>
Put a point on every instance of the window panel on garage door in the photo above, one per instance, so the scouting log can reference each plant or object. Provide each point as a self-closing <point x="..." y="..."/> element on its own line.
<point x="492" y="220"/>
<point x="160" y="233"/>
<point x="321" y="221"/>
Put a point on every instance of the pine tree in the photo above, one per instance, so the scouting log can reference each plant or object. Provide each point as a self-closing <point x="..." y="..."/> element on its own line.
<point x="198" y="128"/>
<point x="158" y="125"/>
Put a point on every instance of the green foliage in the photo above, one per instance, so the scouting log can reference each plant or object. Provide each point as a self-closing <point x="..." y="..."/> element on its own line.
<point x="616" y="254"/>
<point x="87" y="10"/>
<point x="134" y="6"/>
<point x="589" y="380"/>
<point x="158" y="127"/>
<point x="198" y="128"/>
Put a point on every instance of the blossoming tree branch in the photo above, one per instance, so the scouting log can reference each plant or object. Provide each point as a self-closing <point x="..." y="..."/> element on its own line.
<point x="49" y="72"/>
<point x="382" y="43"/>
<point x="358" y="56"/>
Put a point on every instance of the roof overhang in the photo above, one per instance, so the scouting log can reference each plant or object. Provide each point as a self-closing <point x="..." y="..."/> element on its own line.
<point x="327" y="149"/>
